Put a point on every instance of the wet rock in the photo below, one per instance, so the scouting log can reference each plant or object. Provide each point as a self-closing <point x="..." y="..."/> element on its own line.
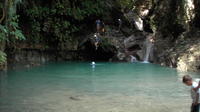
<point x="121" y="56"/>
<point x="3" y="66"/>
<point x="74" y="98"/>
<point x="134" y="40"/>
<point x="105" y="51"/>
<point x="183" y="55"/>
<point x="136" y="45"/>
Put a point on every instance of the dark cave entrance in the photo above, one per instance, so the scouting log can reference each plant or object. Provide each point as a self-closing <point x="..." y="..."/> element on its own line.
<point x="134" y="47"/>
<point x="103" y="53"/>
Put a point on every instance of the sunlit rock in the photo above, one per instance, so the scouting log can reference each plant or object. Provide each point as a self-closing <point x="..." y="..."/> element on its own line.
<point x="145" y="12"/>
<point x="138" y="23"/>
<point x="189" y="8"/>
<point x="121" y="56"/>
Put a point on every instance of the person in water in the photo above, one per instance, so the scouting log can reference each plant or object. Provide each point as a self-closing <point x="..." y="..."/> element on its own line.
<point x="195" y="85"/>
<point x="96" y="41"/>
<point x="93" y="63"/>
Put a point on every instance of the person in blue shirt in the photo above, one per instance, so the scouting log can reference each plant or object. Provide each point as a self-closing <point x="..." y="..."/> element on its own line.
<point x="98" y="25"/>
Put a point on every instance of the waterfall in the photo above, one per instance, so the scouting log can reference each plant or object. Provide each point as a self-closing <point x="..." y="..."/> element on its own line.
<point x="189" y="9"/>
<point x="3" y="83"/>
<point x="148" y="45"/>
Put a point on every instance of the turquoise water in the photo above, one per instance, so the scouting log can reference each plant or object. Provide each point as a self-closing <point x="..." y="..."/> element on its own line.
<point x="106" y="87"/>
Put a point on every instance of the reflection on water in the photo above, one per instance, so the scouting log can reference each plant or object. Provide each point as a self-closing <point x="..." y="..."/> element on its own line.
<point x="105" y="87"/>
<point x="3" y="84"/>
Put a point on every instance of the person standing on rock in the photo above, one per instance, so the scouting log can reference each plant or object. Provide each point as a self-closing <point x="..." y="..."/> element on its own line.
<point x="98" y="26"/>
<point x="96" y="41"/>
<point x="120" y="24"/>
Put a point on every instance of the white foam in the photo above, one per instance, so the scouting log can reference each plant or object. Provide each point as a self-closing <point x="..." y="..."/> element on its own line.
<point x="145" y="62"/>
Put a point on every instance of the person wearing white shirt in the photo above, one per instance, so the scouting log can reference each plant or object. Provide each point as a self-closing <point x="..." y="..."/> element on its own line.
<point x="195" y="85"/>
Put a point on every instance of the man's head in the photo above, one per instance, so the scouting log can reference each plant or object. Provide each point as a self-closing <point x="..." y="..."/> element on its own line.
<point x="187" y="80"/>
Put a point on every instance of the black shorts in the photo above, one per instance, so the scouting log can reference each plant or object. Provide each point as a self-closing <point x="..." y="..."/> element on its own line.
<point x="195" y="108"/>
<point x="97" y="40"/>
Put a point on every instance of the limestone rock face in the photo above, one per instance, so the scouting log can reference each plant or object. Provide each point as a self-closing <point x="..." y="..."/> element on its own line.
<point x="121" y="47"/>
<point x="176" y="29"/>
<point x="189" y="59"/>
<point x="135" y="20"/>
<point x="134" y="40"/>
<point x="137" y="46"/>
<point x="184" y="54"/>
<point x="132" y="46"/>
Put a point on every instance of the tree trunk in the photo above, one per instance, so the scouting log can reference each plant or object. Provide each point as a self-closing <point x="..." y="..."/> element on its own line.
<point x="5" y="10"/>
<point x="3" y="21"/>
<point x="3" y="16"/>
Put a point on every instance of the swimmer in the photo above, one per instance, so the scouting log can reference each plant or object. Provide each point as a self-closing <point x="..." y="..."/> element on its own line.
<point x="93" y="63"/>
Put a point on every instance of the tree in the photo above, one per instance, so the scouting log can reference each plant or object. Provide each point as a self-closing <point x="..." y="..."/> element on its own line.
<point x="4" y="10"/>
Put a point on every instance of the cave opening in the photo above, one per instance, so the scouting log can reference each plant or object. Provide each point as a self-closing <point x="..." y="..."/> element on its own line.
<point x="103" y="53"/>
<point x="134" y="47"/>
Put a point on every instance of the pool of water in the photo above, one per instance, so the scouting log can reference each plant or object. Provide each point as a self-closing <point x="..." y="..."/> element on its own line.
<point x="106" y="87"/>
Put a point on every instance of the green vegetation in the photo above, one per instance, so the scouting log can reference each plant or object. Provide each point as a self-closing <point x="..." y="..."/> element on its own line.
<point x="61" y="24"/>
<point x="2" y="57"/>
<point x="56" y="23"/>
<point x="3" y="33"/>
<point x="127" y="4"/>
<point x="9" y="34"/>
<point x="10" y="31"/>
